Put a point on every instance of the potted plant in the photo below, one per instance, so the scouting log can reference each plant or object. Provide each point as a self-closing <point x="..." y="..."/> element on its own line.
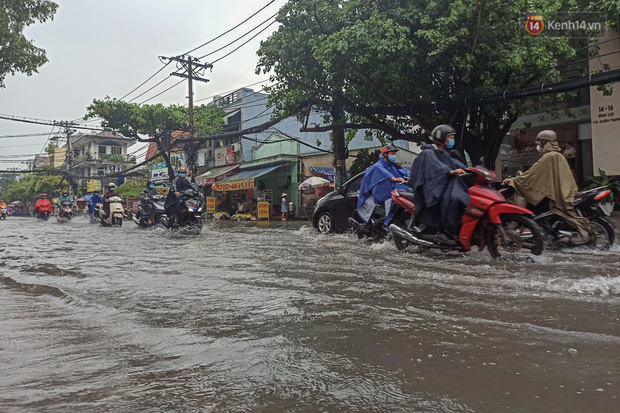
<point x="607" y="203"/>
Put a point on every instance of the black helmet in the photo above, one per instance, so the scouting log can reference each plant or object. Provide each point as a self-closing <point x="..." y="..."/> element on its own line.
<point x="150" y="182"/>
<point x="389" y="148"/>
<point x="440" y="134"/>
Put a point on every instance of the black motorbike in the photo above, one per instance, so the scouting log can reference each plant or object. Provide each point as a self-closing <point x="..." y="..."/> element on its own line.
<point x="42" y="215"/>
<point x="156" y="215"/>
<point x="186" y="211"/>
<point x="559" y="233"/>
<point x="374" y="228"/>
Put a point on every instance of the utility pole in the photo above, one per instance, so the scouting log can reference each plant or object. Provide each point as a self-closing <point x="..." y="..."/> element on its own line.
<point x="69" y="154"/>
<point x="192" y="70"/>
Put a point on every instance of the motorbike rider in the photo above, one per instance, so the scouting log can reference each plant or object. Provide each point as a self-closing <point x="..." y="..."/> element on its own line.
<point x="551" y="178"/>
<point x="439" y="196"/>
<point x="146" y="202"/>
<point x="64" y="197"/>
<point x="43" y="204"/>
<point x="378" y="182"/>
<point x="93" y="201"/>
<point x="179" y="184"/>
<point x="106" y="203"/>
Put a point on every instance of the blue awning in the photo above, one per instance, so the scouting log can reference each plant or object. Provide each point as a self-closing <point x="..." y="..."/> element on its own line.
<point x="327" y="171"/>
<point x="250" y="174"/>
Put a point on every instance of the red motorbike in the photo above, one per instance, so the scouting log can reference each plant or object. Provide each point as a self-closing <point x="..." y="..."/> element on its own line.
<point x="489" y="221"/>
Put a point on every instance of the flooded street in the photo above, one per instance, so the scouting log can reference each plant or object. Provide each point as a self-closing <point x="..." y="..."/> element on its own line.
<point x="282" y="319"/>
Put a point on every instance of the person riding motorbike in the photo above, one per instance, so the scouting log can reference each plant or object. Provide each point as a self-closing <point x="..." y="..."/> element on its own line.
<point x="64" y="197"/>
<point x="106" y="203"/>
<point x="377" y="184"/>
<point x="93" y="201"/>
<point x="439" y="196"/>
<point x="179" y="184"/>
<point x="146" y="200"/>
<point x="551" y="178"/>
<point x="42" y="205"/>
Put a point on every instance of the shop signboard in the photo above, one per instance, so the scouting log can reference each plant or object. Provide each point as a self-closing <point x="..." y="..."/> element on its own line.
<point x="224" y="156"/>
<point x="263" y="210"/>
<point x="210" y="205"/>
<point x="233" y="186"/>
<point x="163" y="191"/>
<point x="92" y="185"/>
<point x="159" y="171"/>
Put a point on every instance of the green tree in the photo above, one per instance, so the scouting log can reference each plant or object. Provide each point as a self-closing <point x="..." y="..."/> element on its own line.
<point x="5" y="181"/>
<point x="52" y="185"/>
<point x="365" y="158"/>
<point x="18" y="54"/>
<point x="378" y="59"/>
<point x="158" y="122"/>
<point x="21" y="190"/>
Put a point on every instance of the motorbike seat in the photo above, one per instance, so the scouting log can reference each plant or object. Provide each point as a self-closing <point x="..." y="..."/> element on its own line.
<point x="406" y="195"/>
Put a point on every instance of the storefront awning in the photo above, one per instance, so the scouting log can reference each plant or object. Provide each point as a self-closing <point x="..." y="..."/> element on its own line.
<point x="208" y="177"/>
<point x="242" y="180"/>
<point x="325" y="170"/>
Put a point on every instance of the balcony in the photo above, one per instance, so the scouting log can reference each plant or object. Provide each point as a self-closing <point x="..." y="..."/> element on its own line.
<point x="105" y="159"/>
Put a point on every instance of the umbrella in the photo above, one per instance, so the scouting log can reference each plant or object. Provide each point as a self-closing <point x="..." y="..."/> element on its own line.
<point x="313" y="182"/>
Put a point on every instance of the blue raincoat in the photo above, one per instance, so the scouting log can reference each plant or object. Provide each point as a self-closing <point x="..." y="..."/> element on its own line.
<point x="92" y="203"/>
<point x="439" y="197"/>
<point x="377" y="188"/>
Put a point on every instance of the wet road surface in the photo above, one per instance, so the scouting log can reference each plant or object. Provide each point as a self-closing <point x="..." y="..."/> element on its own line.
<point x="282" y="319"/>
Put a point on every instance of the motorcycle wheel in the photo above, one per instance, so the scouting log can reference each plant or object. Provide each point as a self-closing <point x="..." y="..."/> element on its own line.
<point x="525" y="234"/>
<point x="604" y="232"/>
<point x="401" y="243"/>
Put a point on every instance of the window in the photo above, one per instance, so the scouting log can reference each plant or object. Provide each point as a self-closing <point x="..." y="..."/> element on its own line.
<point x="116" y="150"/>
<point x="102" y="149"/>
<point x="354" y="186"/>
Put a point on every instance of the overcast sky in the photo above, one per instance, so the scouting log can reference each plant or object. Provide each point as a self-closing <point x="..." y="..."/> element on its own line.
<point x="99" y="48"/>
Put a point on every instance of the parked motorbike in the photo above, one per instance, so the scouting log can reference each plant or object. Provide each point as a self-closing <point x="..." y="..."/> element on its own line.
<point x="116" y="212"/>
<point x="65" y="212"/>
<point x="188" y="211"/>
<point x="3" y="213"/>
<point x="489" y="221"/>
<point x="156" y="216"/>
<point x="560" y="234"/>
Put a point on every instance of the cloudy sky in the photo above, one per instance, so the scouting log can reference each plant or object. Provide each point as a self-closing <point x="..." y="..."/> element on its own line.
<point x="99" y="48"/>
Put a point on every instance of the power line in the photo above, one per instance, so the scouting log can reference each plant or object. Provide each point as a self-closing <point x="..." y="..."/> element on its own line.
<point x="230" y="30"/>
<point x="244" y="43"/>
<point x="27" y="135"/>
<point x="162" y="92"/>
<point x="151" y="88"/>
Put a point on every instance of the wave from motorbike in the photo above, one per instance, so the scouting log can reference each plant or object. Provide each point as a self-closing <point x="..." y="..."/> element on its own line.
<point x="187" y="212"/>
<point x="65" y="212"/>
<point x="155" y="214"/>
<point x="489" y="221"/>
<point x="560" y="234"/>
<point x="115" y="218"/>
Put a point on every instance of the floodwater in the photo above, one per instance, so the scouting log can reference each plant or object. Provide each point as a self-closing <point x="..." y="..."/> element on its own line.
<point x="282" y="319"/>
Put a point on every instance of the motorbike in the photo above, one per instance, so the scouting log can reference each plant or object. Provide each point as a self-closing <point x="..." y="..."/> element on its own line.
<point x="157" y="215"/>
<point x="44" y="215"/>
<point x="116" y="212"/>
<point x="188" y="211"/>
<point x="558" y="233"/>
<point x="65" y="212"/>
<point x="3" y="213"/>
<point x="488" y="221"/>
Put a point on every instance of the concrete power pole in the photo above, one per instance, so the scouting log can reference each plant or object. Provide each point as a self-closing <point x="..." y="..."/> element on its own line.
<point x="69" y="154"/>
<point x="192" y="70"/>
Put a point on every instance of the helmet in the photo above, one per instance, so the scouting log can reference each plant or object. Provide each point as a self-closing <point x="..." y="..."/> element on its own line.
<point x="43" y="195"/>
<point x="546" y="135"/>
<point x="182" y="170"/>
<point x="440" y="134"/>
<point x="388" y="148"/>
<point x="65" y="192"/>
<point x="112" y="186"/>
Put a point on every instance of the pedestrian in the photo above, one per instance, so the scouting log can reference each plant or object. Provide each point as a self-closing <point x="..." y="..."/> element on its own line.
<point x="283" y="207"/>
<point x="570" y="154"/>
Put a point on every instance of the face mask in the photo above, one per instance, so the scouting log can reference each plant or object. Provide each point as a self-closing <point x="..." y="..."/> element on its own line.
<point x="151" y="186"/>
<point x="450" y="144"/>
<point x="539" y="148"/>
<point x="96" y="193"/>
<point x="392" y="158"/>
<point x="182" y="175"/>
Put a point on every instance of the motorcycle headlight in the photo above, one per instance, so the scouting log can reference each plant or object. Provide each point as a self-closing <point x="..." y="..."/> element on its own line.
<point x="157" y="206"/>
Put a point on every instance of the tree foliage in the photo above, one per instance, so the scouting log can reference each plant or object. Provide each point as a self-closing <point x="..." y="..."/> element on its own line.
<point x="28" y="188"/>
<point x="400" y="53"/>
<point x="365" y="158"/>
<point x="18" y="54"/>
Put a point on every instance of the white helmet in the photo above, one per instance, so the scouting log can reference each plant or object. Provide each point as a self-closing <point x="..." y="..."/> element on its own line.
<point x="112" y="186"/>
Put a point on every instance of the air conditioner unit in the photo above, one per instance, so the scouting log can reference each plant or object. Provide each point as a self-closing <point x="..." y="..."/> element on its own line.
<point x="236" y="147"/>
